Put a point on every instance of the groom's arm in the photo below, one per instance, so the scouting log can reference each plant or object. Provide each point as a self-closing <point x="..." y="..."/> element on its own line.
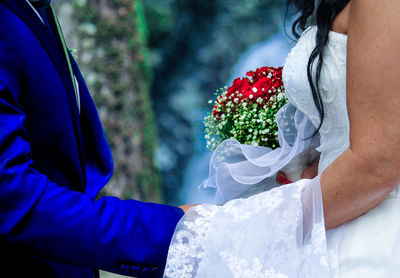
<point x="127" y="237"/>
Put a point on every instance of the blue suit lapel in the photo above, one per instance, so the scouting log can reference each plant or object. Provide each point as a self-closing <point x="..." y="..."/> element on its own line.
<point x="25" y="12"/>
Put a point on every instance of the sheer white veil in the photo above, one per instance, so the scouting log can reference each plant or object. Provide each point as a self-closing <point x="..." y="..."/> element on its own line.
<point x="238" y="170"/>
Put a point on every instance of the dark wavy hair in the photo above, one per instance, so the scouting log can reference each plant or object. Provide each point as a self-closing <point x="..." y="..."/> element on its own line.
<point x="321" y="13"/>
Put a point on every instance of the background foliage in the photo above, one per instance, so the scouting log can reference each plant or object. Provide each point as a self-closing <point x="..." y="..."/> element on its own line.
<point x="151" y="67"/>
<point x="111" y="39"/>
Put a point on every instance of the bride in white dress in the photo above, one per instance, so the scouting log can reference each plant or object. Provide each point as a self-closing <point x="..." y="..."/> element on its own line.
<point x="343" y="223"/>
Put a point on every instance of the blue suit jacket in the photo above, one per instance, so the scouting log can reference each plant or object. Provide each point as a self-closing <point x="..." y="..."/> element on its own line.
<point x="53" y="162"/>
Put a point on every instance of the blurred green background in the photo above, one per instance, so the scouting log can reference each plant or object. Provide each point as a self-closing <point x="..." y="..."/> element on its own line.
<point x="151" y="67"/>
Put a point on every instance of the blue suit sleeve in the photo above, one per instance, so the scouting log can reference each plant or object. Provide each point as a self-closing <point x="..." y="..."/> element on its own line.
<point x="123" y="236"/>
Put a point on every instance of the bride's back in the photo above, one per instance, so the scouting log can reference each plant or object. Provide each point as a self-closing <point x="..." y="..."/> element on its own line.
<point x="341" y="22"/>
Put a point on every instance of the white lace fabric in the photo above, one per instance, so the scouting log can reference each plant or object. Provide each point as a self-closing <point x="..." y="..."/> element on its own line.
<point x="280" y="232"/>
<point x="219" y="241"/>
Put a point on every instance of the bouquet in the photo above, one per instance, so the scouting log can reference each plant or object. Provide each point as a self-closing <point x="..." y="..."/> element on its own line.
<point x="246" y="110"/>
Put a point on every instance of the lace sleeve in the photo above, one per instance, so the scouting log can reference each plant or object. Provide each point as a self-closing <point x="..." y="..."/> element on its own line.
<point x="279" y="233"/>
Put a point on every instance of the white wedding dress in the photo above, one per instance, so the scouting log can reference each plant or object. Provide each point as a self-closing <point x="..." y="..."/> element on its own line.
<point x="280" y="233"/>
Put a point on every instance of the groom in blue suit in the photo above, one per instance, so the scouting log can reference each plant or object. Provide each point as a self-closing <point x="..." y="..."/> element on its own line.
<point x="54" y="159"/>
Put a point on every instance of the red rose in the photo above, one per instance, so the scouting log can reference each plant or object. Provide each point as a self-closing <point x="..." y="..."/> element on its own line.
<point x="263" y="85"/>
<point x="262" y="82"/>
<point x="239" y="85"/>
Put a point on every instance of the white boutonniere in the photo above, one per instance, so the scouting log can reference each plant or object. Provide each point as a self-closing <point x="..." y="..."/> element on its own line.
<point x="73" y="52"/>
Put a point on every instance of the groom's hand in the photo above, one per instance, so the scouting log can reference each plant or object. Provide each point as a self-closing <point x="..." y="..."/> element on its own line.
<point x="185" y="208"/>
